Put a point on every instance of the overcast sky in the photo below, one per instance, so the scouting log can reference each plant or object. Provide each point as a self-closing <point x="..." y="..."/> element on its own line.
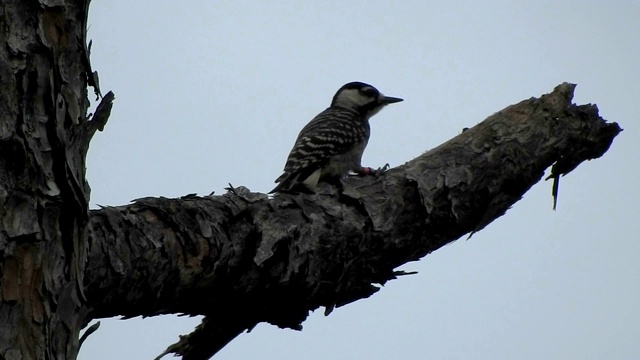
<point x="211" y="92"/>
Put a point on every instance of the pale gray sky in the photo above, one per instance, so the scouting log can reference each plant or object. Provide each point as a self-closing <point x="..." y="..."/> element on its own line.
<point x="212" y="92"/>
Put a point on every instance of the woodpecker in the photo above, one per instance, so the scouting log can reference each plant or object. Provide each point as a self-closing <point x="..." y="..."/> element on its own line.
<point x="331" y="144"/>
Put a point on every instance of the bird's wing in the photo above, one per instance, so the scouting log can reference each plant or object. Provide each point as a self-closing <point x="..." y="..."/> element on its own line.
<point x="328" y="134"/>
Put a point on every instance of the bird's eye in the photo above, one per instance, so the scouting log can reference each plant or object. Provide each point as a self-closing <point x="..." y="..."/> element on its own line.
<point x="369" y="92"/>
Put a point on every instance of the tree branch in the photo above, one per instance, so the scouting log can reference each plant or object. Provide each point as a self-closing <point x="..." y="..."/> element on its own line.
<point x="242" y="258"/>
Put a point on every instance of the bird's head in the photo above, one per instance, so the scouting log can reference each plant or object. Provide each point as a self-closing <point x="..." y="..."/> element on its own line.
<point x="363" y="98"/>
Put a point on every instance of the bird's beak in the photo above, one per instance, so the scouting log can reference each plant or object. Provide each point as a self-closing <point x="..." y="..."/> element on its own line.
<point x="388" y="99"/>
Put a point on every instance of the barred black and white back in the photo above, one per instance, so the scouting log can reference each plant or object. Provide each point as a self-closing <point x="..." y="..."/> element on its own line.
<point x="331" y="144"/>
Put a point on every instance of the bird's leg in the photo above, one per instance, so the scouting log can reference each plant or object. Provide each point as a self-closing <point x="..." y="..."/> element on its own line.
<point x="364" y="171"/>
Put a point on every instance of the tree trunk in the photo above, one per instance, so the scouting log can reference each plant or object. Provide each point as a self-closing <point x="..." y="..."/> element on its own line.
<point x="44" y="135"/>
<point x="241" y="258"/>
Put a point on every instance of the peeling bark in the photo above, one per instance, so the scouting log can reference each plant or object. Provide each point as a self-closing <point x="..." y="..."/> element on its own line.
<point x="241" y="258"/>
<point x="44" y="137"/>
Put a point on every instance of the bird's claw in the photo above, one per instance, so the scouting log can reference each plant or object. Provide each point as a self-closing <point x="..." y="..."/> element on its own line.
<point x="381" y="170"/>
<point x="375" y="172"/>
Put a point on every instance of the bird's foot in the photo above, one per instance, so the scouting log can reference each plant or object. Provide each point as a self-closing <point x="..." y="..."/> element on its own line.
<point x="365" y="171"/>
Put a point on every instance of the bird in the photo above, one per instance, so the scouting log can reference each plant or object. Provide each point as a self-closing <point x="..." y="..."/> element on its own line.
<point x="332" y="143"/>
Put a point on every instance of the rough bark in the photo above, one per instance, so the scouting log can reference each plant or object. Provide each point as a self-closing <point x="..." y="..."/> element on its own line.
<point x="44" y="137"/>
<point x="243" y="258"/>
<point x="240" y="258"/>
